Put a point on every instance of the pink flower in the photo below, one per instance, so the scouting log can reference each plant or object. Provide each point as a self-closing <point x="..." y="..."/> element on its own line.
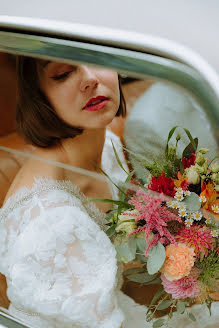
<point x="198" y="237"/>
<point x="156" y="218"/>
<point x="184" y="287"/>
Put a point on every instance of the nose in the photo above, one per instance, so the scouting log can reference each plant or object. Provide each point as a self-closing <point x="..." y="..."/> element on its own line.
<point x="89" y="79"/>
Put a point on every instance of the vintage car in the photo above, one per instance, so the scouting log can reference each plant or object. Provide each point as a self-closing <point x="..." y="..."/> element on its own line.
<point x="164" y="84"/>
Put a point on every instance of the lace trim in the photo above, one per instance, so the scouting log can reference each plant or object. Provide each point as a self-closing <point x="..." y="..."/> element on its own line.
<point x="47" y="184"/>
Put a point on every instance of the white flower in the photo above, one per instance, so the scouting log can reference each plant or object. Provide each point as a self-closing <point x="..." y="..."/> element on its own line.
<point x="215" y="209"/>
<point x="170" y="204"/>
<point x="189" y="222"/>
<point x="192" y="175"/>
<point x="190" y="216"/>
<point x="126" y="227"/>
<point x="202" y="199"/>
<point x="182" y="207"/>
<point x="208" y="220"/>
<point x="187" y="193"/>
<point x="182" y="212"/>
<point x="179" y="190"/>
<point x="175" y="204"/>
<point x="178" y="196"/>
<point x="214" y="233"/>
<point x="197" y="216"/>
<point x="146" y="185"/>
<point x="141" y="198"/>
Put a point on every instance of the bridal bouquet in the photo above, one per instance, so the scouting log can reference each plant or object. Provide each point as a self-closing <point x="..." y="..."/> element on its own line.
<point x="168" y="226"/>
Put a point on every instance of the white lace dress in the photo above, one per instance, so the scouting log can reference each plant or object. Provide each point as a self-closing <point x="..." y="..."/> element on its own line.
<point x="60" y="265"/>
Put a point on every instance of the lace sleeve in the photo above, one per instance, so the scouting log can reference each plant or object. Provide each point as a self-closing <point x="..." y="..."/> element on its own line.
<point x="61" y="264"/>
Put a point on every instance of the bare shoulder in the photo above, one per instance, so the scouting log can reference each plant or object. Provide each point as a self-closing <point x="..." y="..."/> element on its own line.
<point x="33" y="168"/>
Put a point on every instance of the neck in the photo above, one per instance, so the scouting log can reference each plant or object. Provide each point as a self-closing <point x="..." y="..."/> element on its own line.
<point x="85" y="149"/>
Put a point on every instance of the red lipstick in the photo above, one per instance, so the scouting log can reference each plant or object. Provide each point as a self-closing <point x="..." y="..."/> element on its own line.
<point x="96" y="103"/>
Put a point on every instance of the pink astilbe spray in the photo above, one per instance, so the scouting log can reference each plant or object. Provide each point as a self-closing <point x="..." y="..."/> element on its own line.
<point x="155" y="216"/>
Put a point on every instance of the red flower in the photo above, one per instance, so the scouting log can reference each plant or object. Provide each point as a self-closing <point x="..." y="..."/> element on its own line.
<point x="188" y="161"/>
<point x="163" y="185"/>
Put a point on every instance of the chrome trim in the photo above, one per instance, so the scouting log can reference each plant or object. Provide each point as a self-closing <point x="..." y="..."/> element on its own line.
<point x="9" y="321"/>
<point x="180" y="65"/>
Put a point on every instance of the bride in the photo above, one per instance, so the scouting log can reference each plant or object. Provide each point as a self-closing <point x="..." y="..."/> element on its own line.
<point x="60" y="266"/>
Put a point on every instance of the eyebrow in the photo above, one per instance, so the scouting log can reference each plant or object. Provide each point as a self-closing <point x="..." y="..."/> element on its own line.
<point x="46" y="63"/>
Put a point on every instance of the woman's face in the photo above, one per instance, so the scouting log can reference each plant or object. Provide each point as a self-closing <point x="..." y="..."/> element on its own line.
<point x="82" y="96"/>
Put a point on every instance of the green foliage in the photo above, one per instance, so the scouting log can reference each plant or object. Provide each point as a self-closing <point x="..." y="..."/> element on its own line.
<point x="142" y="278"/>
<point x="156" y="258"/>
<point x="187" y="150"/>
<point x="181" y="306"/>
<point x="192" y="202"/>
<point x="210" y="269"/>
<point x="164" y="305"/>
<point x="158" y="323"/>
<point x="126" y="252"/>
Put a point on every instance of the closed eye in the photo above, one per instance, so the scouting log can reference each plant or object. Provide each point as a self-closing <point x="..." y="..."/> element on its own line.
<point x="61" y="76"/>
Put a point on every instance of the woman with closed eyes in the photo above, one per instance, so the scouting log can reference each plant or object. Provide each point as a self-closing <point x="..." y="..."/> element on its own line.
<point x="60" y="266"/>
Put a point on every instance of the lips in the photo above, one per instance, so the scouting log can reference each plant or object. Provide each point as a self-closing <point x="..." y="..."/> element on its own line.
<point x="96" y="103"/>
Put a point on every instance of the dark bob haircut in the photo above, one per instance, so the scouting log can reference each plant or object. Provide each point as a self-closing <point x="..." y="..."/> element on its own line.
<point x="36" y="120"/>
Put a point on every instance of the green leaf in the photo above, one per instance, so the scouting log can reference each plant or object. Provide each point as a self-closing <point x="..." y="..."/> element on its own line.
<point x="142" y="258"/>
<point x="191" y="316"/>
<point x="158" y="323"/>
<point x="141" y="245"/>
<point x="187" y="150"/>
<point x="156" y="281"/>
<point x="180" y="307"/>
<point x="106" y="200"/>
<point x="191" y="139"/>
<point x="156" y="258"/>
<point x="157" y="295"/>
<point x="95" y="164"/>
<point x="171" y="133"/>
<point x="126" y="252"/>
<point x="192" y="202"/>
<point x="111" y="231"/>
<point x="141" y="278"/>
<point x="133" y="270"/>
<point x="168" y="139"/>
<point x="164" y="305"/>
<point x="117" y="158"/>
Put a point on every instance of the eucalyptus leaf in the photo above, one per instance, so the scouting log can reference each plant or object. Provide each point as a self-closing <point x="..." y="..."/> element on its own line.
<point x="141" y="278"/>
<point x="156" y="258"/>
<point x="191" y="316"/>
<point x="156" y="281"/>
<point x="157" y="295"/>
<point x="141" y="245"/>
<point x="192" y="202"/>
<point x="126" y="252"/>
<point x="164" y="305"/>
<point x="133" y="270"/>
<point x="142" y="258"/>
<point x="158" y="323"/>
<point x="180" y="307"/>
